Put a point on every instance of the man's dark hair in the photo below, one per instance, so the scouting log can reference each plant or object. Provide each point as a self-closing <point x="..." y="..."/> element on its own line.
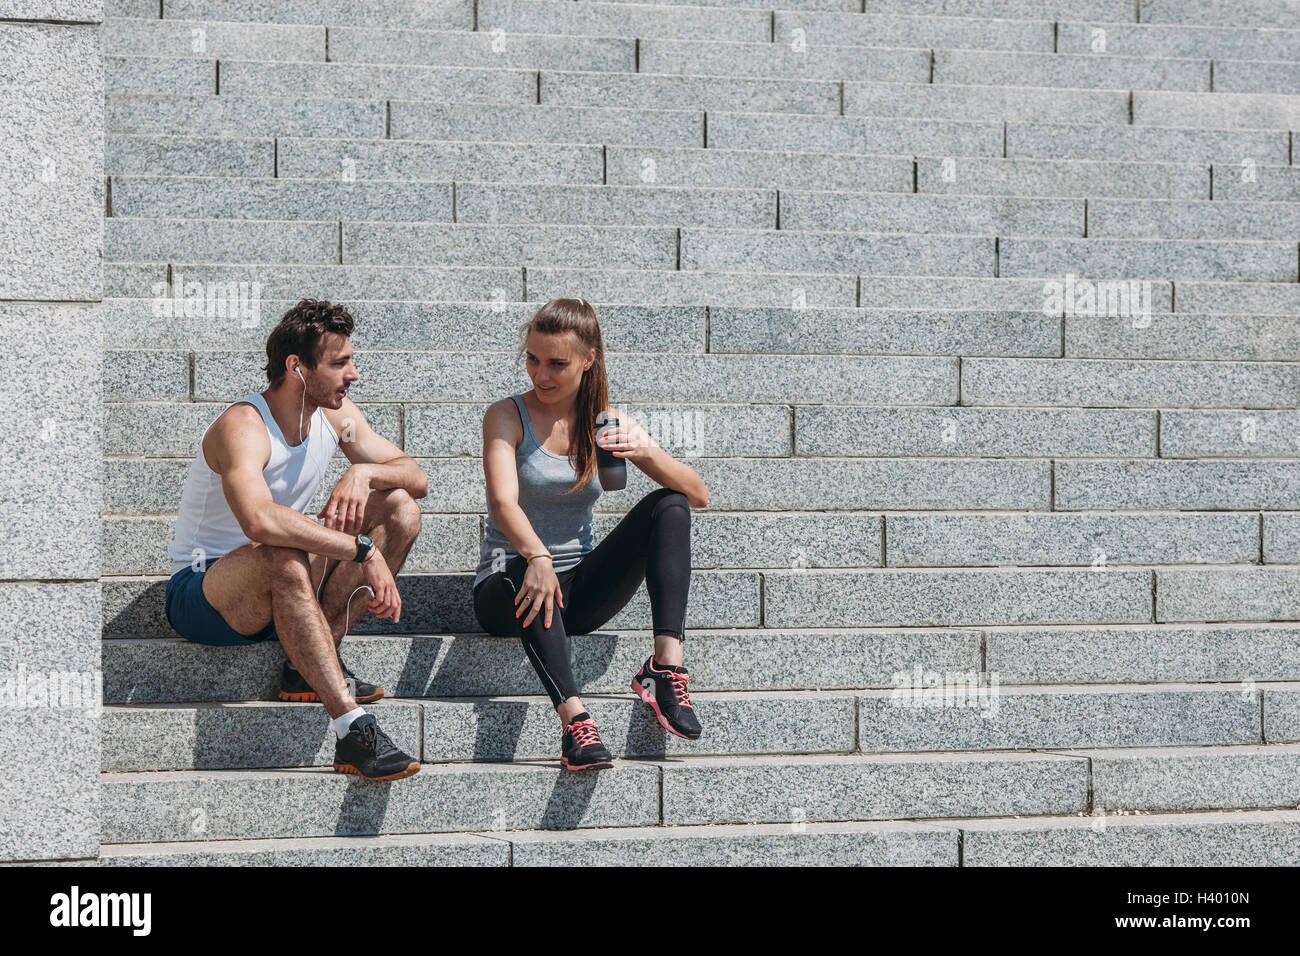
<point x="299" y="333"/>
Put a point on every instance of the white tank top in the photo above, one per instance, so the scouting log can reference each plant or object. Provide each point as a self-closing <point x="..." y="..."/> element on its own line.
<point x="207" y="528"/>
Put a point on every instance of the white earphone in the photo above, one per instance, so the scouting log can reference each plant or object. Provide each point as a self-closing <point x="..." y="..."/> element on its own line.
<point x="303" y="405"/>
<point x="347" y="612"/>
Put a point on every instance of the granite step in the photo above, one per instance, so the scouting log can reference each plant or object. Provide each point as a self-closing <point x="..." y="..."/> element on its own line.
<point x="619" y="19"/>
<point x="1253" y="13"/>
<point x="1198" y="778"/>
<point x="928" y="236"/>
<point x="964" y="712"/>
<point x="778" y="540"/>
<point x="147" y="486"/>
<point x="1116" y="10"/>
<point x="1211" y="838"/>
<point x="1259" y="111"/>
<point x="1093" y="179"/>
<point x="1208" y="838"/>
<point x="425" y="14"/>
<point x="446" y="326"/>
<point x="167" y="669"/>
<point x="1214" y="39"/>
<point x="537" y="202"/>
<point x="363" y="45"/>
<point x="173" y="806"/>
<point x="1192" y="141"/>
<point x="415" y="325"/>
<point x="1200" y="219"/>
<point x="208" y="39"/>
<point x="426" y="376"/>
<point x="164" y="668"/>
<point x="390" y="243"/>
<point x="506" y="288"/>
<point x="244" y="116"/>
<point x="165" y="76"/>
<point x="138" y="545"/>
<point x="778" y="60"/>
<point x="398" y="45"/>
<point x="425" y="849"/>
<point x="978" y="68"/>
<point x="156" y="175"/>
<point x="843" y="844"/>
<point x="485" y="729"/>
<point x="904" y="30"/>
<point x="376" y="119"/>
<point x="1271" y="298"/>
<point x="1256" y="76"/>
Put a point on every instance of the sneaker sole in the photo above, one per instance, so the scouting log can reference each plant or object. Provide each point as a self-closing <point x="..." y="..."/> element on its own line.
<point x="649" y="698"/>
<point x="412" y="769"/>
<point x="311" y="697"/>
<point x="564" y="762"/>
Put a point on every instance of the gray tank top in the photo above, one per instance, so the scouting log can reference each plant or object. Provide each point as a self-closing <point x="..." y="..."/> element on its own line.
<point x="563" y="522"/>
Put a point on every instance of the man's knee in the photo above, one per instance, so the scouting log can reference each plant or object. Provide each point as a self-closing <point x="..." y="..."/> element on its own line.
<point x="401" y="512"/>
<point x="287" y="566"/>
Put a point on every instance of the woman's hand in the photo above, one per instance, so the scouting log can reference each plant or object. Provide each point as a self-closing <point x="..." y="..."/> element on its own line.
<point x="541" y="589"/>
<point x="629" y="441"/>
<point x="634" y="443"/>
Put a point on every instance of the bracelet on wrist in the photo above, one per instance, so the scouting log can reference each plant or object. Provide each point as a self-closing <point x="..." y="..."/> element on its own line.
<point x="540" y="554"/>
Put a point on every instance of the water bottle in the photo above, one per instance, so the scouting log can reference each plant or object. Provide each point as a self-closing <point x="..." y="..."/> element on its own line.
<point x="613" y="470"/>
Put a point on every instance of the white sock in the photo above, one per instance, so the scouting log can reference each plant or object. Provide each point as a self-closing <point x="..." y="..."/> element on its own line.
<point x="341" y="724"/>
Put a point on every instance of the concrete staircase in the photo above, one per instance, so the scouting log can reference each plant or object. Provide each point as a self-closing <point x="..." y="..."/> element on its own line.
<point x="819" y="239"/>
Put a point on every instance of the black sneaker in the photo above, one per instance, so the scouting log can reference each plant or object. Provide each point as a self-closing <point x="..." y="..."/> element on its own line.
<point x="294" y="687"/>
<point x="368" y="752"/>
<point x="664" y="689"/>
<point x="581" y="747"/>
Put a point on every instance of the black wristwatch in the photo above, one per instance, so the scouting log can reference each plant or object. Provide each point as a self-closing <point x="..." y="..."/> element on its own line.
<point x="364" y="544"/>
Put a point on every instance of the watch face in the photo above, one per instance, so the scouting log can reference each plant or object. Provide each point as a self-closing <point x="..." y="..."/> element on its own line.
<point x="364" y="545"/>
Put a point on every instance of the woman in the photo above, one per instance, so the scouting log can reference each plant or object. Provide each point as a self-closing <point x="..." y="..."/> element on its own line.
<point x="539" y="578"/>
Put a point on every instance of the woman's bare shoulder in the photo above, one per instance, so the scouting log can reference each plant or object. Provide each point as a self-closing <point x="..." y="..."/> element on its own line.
<point x="501" y="420"/>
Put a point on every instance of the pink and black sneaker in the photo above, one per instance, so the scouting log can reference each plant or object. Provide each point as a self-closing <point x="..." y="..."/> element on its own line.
<point x="664" y="689"/>
<point x="581" y="748"/>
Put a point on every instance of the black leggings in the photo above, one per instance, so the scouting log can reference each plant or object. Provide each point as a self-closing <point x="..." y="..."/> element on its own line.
<point x="652" y="543"/>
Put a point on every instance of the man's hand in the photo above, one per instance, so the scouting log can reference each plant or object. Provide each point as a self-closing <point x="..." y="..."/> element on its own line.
<point x="347" y="504"/>
<point x="386" y="602"/>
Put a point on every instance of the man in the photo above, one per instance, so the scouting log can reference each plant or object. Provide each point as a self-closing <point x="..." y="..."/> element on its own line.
<point x="248" y="565"/>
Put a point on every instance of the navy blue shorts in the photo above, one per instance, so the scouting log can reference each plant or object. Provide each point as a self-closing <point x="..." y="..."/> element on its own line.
<point x="193" y="618"/>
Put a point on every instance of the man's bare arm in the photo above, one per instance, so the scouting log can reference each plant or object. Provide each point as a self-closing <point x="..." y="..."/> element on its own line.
<point x="382" y="463"/>
<point x="237" y="448"/>
<point x="377" y="464"/>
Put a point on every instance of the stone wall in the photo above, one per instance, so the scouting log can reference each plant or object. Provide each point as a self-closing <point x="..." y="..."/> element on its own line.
<point x="51" y="359"/>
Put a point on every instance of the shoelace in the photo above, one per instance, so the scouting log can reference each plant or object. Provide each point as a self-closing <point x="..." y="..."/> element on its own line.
<point x="680" y="690"/>
<point x="376" y="739"/>
<point x="584" y="732"/>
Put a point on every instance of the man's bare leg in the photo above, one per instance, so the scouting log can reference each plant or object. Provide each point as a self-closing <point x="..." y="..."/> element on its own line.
<point x="255" y="584"/>
<point x="392" y="519"/>
<point x="257" y="576"/>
